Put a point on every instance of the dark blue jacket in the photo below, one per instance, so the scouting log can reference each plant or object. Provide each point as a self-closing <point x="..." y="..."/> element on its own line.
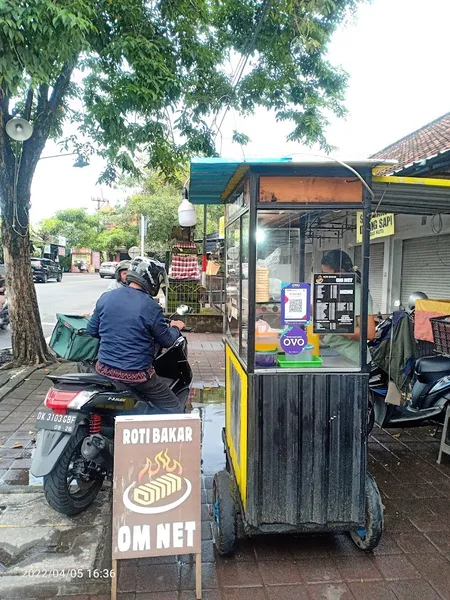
<point x="129" y="322"/>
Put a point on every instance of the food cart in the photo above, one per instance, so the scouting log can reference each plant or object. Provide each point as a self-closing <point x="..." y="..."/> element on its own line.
<point x="296" y="428"/>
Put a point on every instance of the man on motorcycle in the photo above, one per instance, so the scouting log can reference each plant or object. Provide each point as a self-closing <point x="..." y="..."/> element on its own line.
<point x="120" y="275"/>
<point x="130" y="324"/>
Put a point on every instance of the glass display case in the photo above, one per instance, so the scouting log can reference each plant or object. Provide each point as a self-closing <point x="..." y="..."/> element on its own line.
<point x="304" y="261"/>
<point x="233" y="283"/>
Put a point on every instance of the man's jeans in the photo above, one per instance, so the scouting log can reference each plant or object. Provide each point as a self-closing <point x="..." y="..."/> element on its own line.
<point x="156" y="391"/>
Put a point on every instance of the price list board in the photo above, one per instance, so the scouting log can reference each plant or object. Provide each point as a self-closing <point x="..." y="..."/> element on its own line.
<point x="334" y="303"/>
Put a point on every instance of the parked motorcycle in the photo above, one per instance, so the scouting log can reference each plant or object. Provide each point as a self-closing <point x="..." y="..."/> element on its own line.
<point x="427" y="394"/>
<point x="427" y="400"/>
<point x="75" y="445"/>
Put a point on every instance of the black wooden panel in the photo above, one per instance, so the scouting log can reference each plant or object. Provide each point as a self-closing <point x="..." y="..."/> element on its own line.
<point x="307" y="455"/>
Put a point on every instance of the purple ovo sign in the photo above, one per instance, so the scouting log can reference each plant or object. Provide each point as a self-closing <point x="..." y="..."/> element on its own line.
<point x="293" y="340"/>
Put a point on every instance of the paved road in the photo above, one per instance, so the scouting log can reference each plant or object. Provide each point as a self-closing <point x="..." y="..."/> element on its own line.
<point x="76" y="294"/>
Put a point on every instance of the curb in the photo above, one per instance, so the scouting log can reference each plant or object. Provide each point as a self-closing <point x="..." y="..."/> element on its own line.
<point x="17" y="377"/>
<point x="21" y="489"/>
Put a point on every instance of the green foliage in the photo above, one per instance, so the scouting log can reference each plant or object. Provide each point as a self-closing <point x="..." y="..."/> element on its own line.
<point x="80" y="228"/>
<point x="240" y="138"/>
<point x="109" y="241"/>
<point x="159" y="200"/>
<point x="65" y="262"/>
<point x="150" y="75"/>
<point x="38" y="37"/>
<point x="147" y="77"/>
<point x="111" y="229"/>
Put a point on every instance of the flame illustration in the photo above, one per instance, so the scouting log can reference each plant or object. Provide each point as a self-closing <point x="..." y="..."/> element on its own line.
<point x="162" y="461"/>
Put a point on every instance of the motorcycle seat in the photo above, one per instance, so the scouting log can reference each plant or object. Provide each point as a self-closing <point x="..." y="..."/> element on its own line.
<point x="433" y="364"/>
<point x="88" y="378"/>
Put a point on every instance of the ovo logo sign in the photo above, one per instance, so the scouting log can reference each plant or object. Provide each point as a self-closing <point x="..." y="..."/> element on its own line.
<point x="160" y="486"/>
<point x="293" y="340"/>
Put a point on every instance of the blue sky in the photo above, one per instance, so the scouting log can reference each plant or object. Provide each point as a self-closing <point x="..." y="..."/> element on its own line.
<point x="396" y="53"/>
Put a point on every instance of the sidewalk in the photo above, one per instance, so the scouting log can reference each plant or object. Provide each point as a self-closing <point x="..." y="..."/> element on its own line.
<point x="411" y="563"/>
<point x="207" y="359"/>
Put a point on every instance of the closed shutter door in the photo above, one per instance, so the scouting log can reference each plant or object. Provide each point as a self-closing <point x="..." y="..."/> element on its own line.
<point x="375" y="272"/>
<point x="426" y="267"/>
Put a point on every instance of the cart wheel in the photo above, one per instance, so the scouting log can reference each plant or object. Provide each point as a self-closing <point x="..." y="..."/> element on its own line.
<point x="368" y="538"/>
<point x="224" y="513"/>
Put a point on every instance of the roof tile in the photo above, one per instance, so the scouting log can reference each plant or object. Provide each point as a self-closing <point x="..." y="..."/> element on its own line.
<point x="419" y="145"/>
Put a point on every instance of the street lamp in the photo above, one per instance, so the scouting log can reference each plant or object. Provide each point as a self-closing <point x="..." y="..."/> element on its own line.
<point x="19" y="130"/>
<point x="79" y="163"/>
<point x="187" y="217"/>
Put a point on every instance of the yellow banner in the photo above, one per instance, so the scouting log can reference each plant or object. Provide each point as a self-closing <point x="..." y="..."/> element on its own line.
<point x="222" y="228"/>
<point x="381" y="225"/>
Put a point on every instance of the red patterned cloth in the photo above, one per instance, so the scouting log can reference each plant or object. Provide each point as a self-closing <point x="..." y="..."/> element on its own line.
<point x="126" y="376"/>
<point x="184" y="267"/>
<point x="187" y="245"/>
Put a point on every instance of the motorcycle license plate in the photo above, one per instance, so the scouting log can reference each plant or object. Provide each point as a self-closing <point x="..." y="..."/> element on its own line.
<point x="46" y="419"/>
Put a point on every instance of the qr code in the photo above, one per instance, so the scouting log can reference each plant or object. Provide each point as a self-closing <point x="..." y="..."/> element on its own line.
<point x="296" y="306"/>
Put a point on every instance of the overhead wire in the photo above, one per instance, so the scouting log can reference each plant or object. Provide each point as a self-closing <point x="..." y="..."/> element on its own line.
<point x="15" y="216"/>
<point x="437" y="230"/>
<point x="244" y="58"/>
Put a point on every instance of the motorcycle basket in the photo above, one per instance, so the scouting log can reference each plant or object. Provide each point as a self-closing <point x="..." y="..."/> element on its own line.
<point x="441" y="334"/>
<point x="70" y="339"/>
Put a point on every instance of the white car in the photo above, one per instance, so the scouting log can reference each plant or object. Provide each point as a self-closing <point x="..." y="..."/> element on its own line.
<point x="108" y="269"/>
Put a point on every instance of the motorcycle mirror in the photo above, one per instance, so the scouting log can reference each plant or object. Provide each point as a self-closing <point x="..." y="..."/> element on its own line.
<point x="183" y="309"/>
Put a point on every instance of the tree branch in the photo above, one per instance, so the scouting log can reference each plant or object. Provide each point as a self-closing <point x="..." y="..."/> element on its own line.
<point x="6" y="154"/>
<point x="4" y="105"/>
<point x="42" y="99"/>
<point x="46" y="111"/>
<point x="61" y="86"/>
<point x="28" y="105"/>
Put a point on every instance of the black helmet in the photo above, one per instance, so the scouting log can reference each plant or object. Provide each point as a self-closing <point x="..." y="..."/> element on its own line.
<point x="124" y="265"/>
<point x="148" y="273"/>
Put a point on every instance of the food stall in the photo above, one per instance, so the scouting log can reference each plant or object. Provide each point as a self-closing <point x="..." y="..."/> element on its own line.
<point x="296" y="421"/>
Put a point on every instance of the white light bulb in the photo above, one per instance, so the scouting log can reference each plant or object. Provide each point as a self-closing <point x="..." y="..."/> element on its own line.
<point x="260" y="235"/>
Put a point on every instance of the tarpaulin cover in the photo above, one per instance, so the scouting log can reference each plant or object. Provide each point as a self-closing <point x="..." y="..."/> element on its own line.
<point x="424" y="311"/>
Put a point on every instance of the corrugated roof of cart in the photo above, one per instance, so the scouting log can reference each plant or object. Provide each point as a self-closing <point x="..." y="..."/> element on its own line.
<point x="212" y="180"/>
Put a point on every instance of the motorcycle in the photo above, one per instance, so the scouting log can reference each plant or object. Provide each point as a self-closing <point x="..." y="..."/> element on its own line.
<point x="427" y="400"/>
<point x="75" y="445"/>
<point x="427" y="393"/>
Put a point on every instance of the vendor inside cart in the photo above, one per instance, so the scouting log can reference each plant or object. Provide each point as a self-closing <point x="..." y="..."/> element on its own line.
<point x="338" y="261"/>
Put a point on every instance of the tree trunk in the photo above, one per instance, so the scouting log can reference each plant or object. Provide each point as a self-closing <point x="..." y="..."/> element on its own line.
<point x="17" y="167"/>
<point x="28" y="342"/>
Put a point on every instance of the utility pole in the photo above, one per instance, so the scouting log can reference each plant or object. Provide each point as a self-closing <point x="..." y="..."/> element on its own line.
<point x="204" y="261"/>
<point x="143" y="227"/>
<point x="100" y="202"/>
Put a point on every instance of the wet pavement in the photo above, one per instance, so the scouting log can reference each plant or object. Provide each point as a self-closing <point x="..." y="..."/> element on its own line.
<point x="18" y="410"/>
<point x="412" y="561"/>
<point x="42" y="553"/>
<point x="207" y="359"/>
